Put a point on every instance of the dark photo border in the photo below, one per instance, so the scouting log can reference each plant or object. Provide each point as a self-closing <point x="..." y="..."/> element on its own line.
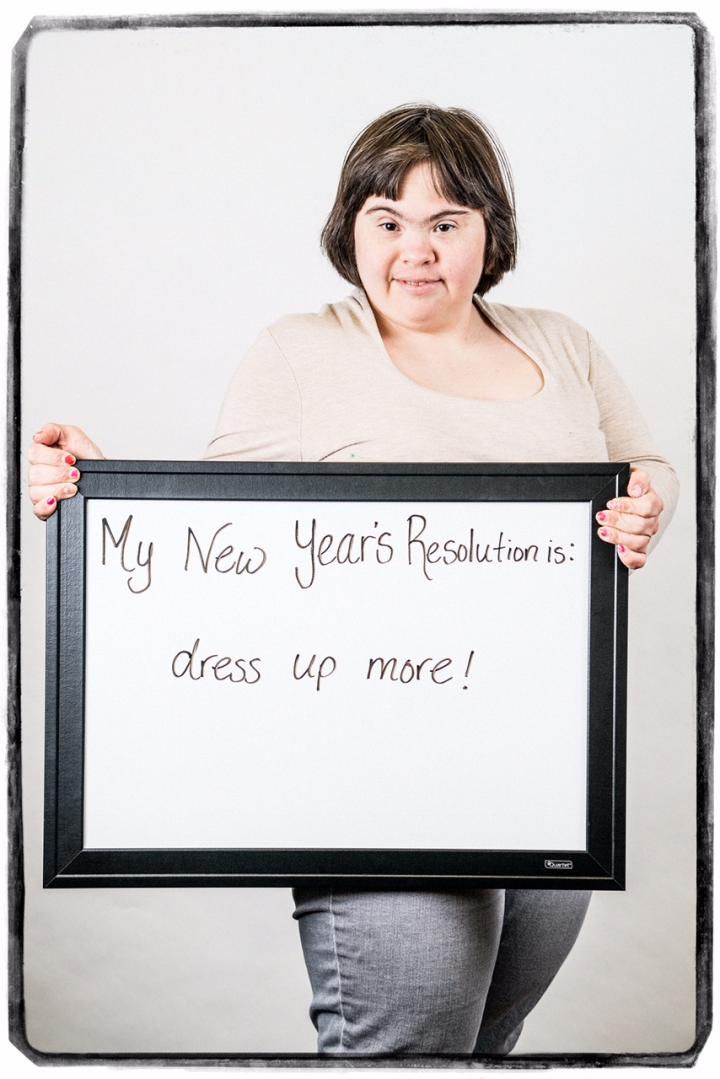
<point x="601" y="865"/>
<point x="706" y="275"/>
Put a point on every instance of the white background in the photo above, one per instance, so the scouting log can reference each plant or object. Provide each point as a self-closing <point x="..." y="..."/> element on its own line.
<point x="653" y="388"/>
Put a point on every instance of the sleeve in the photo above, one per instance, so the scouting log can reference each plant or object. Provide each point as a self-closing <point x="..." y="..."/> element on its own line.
<point x="626" y="434"/>
<point x="260" y="418"/>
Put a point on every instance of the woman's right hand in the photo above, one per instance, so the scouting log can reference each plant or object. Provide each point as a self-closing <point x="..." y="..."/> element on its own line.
<point x="52" y="474"/>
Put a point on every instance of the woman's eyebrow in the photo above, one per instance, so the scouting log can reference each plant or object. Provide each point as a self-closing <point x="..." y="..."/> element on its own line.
<point x="428" y="220"/>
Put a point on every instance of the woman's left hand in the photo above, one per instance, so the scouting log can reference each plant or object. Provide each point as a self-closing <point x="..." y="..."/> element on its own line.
<point x="630" y="523"/>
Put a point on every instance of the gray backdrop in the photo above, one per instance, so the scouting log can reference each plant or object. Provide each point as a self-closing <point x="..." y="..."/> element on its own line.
<point x="176" y="183"/>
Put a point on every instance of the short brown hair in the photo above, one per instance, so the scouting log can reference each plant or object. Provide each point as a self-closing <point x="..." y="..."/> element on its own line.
<point x="468" y="165"/>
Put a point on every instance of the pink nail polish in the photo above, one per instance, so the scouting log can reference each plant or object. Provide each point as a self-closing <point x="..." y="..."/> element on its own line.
<point x="74" y="473"/>
<point x="51" y="501"/>
<point x="603" y="531"/>
<point x="69" y="459"/>
<point x="621" y="548"/>
<point x="601" y="516"/>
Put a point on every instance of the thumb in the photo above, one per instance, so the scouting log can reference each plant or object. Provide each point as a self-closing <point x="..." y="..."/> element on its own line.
<point x="49" y="434"/>
<point x="639" y="483"/>
<point x="68" y="437"/>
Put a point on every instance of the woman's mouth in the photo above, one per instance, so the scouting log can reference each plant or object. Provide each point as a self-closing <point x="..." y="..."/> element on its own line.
<point x="416" y="285"/>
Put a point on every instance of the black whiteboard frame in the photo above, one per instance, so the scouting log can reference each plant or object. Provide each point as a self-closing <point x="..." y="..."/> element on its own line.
<point x="67" y="863"/>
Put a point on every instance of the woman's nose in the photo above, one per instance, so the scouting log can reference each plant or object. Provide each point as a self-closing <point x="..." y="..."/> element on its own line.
<point x="417" y="248"/>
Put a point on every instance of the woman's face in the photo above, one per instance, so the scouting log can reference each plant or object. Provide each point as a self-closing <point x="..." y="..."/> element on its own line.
<point x="420" y="256"/>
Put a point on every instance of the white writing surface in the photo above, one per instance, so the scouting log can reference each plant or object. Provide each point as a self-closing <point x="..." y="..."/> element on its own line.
<point x="336" y="674"/>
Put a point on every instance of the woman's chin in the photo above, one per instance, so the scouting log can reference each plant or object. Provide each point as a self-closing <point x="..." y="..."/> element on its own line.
<point x="416" y="312"/>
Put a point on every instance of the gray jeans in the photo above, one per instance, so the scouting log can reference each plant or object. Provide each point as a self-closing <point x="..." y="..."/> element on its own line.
<point x="431" y="971"/>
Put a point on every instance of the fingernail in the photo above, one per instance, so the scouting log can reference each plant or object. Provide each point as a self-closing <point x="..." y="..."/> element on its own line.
<point x="74" y="473"/>
<point x="603" y="531"/>
<point x="69" y="459"/>
<point x="69" y="491"/>
<point x="621" y="548"/>
<point x="600" y="516"/>
<point x="612" y="504"/>
<point x="51" y="501"/>
<point x="635" y="491"/>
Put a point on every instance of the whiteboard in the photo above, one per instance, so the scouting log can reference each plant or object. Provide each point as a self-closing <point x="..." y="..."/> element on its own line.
<point x="264" y="695"/>
<point x="385" y="670"/>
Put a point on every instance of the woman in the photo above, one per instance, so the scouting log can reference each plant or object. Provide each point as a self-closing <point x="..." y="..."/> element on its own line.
<point x="415" y="365"/>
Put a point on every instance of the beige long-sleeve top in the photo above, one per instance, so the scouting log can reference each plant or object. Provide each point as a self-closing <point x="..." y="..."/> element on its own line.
<point x="322" y="387"/>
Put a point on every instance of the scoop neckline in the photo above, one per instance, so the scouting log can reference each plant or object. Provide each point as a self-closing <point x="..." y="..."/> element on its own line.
<point x="495" y="321"/>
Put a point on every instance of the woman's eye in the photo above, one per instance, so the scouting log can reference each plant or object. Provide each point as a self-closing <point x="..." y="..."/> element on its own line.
<point x="446" y="226"/>
<point x="388" y="226"/>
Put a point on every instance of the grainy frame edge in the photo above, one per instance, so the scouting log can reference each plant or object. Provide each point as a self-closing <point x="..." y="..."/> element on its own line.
<point x="705" y="238"/>
<point x="16" y="862"/>
<point x="705" y="443"/>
